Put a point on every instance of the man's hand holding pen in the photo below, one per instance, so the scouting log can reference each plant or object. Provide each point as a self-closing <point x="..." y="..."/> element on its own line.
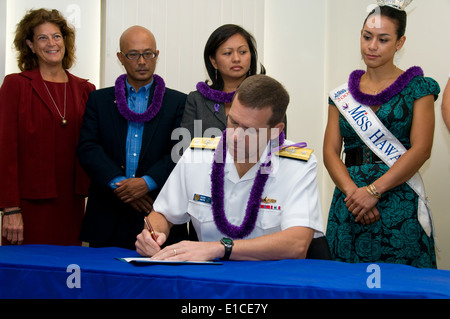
<point x="149" y="242"/>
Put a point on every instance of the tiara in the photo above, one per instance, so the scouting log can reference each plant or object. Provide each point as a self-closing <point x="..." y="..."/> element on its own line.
<point x="396" y="4"/>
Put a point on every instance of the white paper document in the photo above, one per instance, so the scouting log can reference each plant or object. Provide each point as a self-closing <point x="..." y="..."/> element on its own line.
<point x="146" y="260"/>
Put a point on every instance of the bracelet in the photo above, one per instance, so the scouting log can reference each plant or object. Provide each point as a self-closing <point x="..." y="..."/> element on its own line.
<point x="371" y="189"/>
<point x="13" y="212"/>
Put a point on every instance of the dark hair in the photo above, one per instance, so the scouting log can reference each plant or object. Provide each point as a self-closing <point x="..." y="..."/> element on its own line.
<point x="217" y="38"/>
<point x="261" y="91"/>
<point x="399" y="17"/>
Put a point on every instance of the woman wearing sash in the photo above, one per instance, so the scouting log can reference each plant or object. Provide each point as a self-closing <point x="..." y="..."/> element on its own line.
<point x="374" y="212"/>
<point x="230" y="57"/>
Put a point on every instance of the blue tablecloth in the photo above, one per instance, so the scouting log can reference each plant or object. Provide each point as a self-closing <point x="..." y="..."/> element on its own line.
<point x="43" y="272"/>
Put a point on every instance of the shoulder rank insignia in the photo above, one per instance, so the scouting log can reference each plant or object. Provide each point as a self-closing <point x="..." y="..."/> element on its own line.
<point x="205" y="143"/>
<point x="302" y="154"/>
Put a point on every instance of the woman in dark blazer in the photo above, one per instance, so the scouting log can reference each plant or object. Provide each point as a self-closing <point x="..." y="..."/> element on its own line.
<point x="43" y="187"/>
<point x="230" y="57"/>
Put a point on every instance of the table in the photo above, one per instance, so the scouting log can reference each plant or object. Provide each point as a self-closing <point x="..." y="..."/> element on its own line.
<point x="55" y="272"/>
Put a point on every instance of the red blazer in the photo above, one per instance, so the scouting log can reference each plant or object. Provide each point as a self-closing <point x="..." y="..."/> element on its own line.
<point x="25" y="111"/>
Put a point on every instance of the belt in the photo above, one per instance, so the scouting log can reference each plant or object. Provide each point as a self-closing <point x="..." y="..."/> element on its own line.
<point x="360" y="156"/>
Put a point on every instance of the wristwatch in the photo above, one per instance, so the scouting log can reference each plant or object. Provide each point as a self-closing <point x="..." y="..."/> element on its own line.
<point x="228" y="244"/>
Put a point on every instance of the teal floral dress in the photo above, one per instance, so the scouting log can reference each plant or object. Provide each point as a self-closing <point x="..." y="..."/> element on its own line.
<point x="398" y="236"/>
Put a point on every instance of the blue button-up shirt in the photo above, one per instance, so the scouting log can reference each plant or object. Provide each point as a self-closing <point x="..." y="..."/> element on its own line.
<point x="137" y="102"/>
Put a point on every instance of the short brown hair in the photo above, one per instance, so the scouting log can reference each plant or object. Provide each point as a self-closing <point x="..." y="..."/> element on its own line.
<point x="26" y="59"/>
<point x="261" y="91"/>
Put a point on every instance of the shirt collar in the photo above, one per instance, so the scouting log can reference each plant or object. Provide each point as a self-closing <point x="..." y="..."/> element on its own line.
<point x="146" y="88"/>
<point x="231" y="172"/>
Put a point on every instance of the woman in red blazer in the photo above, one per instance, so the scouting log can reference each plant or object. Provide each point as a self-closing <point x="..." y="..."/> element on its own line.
<point x="43" y="188"/>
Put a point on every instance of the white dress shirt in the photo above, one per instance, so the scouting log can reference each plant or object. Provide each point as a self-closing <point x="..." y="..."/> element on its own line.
<point x="291" y="190"/>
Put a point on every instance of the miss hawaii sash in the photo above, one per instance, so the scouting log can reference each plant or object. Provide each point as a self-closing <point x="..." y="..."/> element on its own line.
<point x="382" y="142"/>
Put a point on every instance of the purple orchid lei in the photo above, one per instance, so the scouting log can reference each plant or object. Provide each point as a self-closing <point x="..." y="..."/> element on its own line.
<point x="218" y="194"/>
<point x="152" y="110"/>
<point x="386" y="95"/>
<point x="215" y="95"/>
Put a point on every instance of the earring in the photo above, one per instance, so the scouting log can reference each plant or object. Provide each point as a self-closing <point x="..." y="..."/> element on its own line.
<point x="216" y="74"/>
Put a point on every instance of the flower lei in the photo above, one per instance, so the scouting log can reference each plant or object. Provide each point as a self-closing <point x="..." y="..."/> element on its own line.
<point x="218" y="194"/>
<point x="215" y="95"/>
<point x="152" y="110"/>
<point x="386" y="95"/>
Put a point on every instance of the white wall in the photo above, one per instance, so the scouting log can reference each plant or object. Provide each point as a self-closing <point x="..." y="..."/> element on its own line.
<point x="428" y="47"/>
<point x="181" y="29"/>
<point x="295" y="42"/>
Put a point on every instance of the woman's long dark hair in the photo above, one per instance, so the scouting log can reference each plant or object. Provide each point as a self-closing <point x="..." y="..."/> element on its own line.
<point x="217" y="38"/>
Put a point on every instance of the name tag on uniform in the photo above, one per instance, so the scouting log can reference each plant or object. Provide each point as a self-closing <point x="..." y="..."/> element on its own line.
<point x="202" y="199"/>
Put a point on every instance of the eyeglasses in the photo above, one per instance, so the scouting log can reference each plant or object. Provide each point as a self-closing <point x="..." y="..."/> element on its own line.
<point x="133" y="56"/>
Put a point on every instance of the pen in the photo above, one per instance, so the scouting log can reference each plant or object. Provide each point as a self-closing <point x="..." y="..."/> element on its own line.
<point x="150" y="228"/>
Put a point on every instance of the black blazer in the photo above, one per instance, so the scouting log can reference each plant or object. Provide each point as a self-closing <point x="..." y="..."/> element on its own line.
<point x="102" y="153"/>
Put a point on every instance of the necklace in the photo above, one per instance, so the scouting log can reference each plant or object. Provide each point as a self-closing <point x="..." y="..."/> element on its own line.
<point x="63" y="116"/>
<point x="215" y="95"/>
<point x="218" y="194"/>
<point x="375" y="92"/>
<point x="386" y="95"/>
<point x="152" y="110"/>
